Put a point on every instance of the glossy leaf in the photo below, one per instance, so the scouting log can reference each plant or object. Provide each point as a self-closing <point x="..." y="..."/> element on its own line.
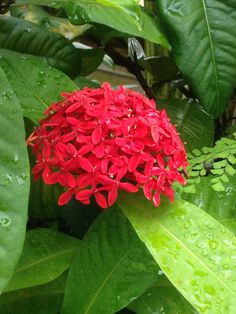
<point x="194" y="251"/>
<point x="35" y="83"/>
<point x="202" y="35"/>
<point x="195" y="125"/>
<point x="125" y="16"/>
<point x="48" y="22"/>
<point x="161" y="299"/>
<point x="221" y="205"/>
<point x="110" y="269"/>
<point x="14" y="180"/>
<point x="38" y="300"/>
<point x="46" y="255"/>
<point x="25" y="37"/>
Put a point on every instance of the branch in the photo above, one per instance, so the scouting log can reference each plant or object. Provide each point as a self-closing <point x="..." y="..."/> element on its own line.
<point x="132" y="67"/>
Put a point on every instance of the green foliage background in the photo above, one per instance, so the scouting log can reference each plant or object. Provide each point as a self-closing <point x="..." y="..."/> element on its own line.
<point x="134" y="258"/>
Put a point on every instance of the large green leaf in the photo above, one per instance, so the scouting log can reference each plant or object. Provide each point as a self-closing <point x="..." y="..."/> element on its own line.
<point x="50" y="23"/>
<point x="202" y="35"/>
<point x="14" y="180"/>
<point x="111" y="268"/>
<point x="26" y="37"/>
<point x="195" y="252"/>
<point x="43" y="299"/>
<point x="35" y="83"/>
<point x="221" y="205"/>
<point x="46" y="255"/>
<point x="195" y="125"/>
<point x="123" y="15"/>
<point x="161" y="299"/>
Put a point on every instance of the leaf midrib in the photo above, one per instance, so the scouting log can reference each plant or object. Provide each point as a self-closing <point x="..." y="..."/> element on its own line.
<point x="108" y="276"/>
<point x="212" y="47"/>
<point x="45" y="259"/>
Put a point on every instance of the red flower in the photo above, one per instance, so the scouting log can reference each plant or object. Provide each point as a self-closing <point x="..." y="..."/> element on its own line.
<point x="99" y="141"/>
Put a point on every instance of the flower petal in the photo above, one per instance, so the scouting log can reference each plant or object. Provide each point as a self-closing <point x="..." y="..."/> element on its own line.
<point x="85" y="164"/>
<point x="128" y="187"/>
<point x="96" y="135"/>
<point x="101" y="200"/>
<point x="83" y="194"/>
<point x="65" y="198"/>
<point x="133" y="163"/>
<point x="112" y="196"/>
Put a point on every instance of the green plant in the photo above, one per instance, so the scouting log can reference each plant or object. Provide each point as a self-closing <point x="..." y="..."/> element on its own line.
<point x="218" y="160"/>
<point x="132" y="258"/>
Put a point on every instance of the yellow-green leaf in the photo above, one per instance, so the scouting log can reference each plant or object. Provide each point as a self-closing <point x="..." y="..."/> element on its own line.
<point x="195" y="251"/>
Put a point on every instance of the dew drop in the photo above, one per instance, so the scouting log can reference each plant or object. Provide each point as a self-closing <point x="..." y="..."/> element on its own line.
<point x="5" y="220"/>
<point x="215" y="259"/>
<point x="213" y="244"/>
<point x="16" y="157"/>
<point x="5" y="179"/>
<point x="20" y="180"/>
<point x="160" y="273"/>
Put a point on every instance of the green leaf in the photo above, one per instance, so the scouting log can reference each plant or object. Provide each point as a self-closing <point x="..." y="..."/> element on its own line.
<point x="35" y="83"/>
<point x="196" y="127"/>
<point x="193" y="173"/>
<point x="221" y="205"/>
<point x="232" y="159"/>
<point x="161" y="68"/>
<point x="196" y="152"/>
<point x="202" y="36"/>
<point x="203" y="172"/>
<point x="218" y="187"/>
<point x="14" y="180"/>
<point x="194" y="251"/>
<point x="50" y="23"/>
<point x="112" y="267"/>
<point x="224" y="178"/>
<point x="125" y="16"/>
<point x="38" y="300"/>
<point x="230" y="170"/>
<point x="46" y="255"/>
<point x="161" y="299"/>
<point x="77" y="218"/>
<point x="220" y="164"/>
<point x="190" y="189"/>
<point x="217" y="171"/>
<point x="43" y="199"/>
<point x="25" y="37"/>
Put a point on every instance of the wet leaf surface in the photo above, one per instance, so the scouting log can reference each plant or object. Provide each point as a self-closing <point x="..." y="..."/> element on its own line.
<point x="14" y="180"/>
<point x="195" y="252"/>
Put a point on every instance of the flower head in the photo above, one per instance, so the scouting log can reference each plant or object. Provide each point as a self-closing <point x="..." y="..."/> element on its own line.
<point x="98" y="141"/>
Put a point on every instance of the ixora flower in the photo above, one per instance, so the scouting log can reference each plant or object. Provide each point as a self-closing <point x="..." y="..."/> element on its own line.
<point x="98" y="141"/>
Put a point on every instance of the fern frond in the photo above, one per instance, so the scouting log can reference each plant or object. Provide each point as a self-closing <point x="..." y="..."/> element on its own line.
<point x="219" y="160"/>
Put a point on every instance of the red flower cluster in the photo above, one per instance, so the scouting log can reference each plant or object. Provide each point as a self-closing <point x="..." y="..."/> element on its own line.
<point x="98" y="141"/>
